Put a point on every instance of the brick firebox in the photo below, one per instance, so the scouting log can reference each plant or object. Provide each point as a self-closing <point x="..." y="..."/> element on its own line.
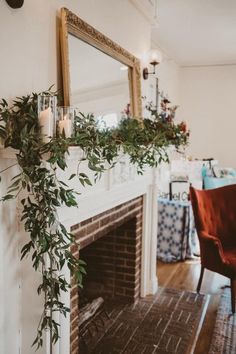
<point x="110" y="243"/>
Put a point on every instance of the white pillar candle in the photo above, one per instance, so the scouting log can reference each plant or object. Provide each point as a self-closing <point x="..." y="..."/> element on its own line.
<point x="46" y="123"/>
<point x="66" y="125"/>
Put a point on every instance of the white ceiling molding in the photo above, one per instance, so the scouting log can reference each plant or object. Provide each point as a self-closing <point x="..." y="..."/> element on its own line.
<point x="148" y="8"/>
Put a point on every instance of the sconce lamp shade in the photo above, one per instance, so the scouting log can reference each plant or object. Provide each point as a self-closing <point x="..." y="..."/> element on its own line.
<point x="15" y="4"/>
<point x="154" y="58"/>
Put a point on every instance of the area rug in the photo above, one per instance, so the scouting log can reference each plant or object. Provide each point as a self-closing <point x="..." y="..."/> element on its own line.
<point x="166" y="323"/>
<point x="224" y="333"/>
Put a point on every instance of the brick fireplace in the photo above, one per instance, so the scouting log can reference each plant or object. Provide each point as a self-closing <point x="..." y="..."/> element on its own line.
<point x="117" y="219"/>
<point x="120" y="213"/>
<point x="110" y="244"/>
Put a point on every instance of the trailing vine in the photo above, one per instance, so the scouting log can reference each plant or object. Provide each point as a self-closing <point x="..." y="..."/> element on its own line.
<point x="41" y="193"/>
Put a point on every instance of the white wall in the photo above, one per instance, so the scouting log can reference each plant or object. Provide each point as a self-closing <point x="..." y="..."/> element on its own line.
<point x="30" y="62"/>
<point x="208" y="97"/>
<point x="29" y="38"/>
<point x="169" y="77"/>
<point x="10" y="291"/>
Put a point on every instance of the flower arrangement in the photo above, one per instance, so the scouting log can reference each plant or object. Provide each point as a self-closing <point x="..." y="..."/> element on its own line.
<point x="167" y="114"/>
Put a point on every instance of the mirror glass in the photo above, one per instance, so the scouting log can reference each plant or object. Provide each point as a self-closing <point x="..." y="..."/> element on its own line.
<point x="99" y="84"/>
<point x="99" y="76"/>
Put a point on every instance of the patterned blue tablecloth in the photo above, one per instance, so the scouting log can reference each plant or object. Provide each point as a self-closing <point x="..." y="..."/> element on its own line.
<point x="176" y="238"/>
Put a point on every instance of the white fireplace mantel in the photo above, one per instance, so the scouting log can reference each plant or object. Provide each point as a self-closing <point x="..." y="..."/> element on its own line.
<point x="117" y="186"/>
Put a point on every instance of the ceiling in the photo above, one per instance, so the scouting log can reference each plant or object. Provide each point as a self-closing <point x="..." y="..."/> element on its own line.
<point x="197" y="32"/>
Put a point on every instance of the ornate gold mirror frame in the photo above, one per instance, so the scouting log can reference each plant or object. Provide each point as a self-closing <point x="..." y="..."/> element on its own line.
<point x="72" y="24"/>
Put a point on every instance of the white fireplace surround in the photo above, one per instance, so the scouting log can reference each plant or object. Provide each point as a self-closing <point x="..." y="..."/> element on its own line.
<point x="117" y="186"/>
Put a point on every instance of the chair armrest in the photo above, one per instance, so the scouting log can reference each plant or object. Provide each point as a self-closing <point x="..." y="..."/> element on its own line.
<point x="207" y="237"/>
<point x="211" y="249"/>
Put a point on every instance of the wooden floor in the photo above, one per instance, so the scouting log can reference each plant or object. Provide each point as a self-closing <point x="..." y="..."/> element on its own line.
<point x="184" y="275"/>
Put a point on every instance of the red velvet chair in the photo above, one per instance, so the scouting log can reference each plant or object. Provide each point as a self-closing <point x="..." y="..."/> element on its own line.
<point x="215" y="218"/>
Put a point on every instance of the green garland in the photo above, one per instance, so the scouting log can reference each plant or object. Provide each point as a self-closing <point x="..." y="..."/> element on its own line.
<point x="41" y="192"/>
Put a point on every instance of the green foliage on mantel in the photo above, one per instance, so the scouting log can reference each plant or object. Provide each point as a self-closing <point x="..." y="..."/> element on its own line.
<point x="41" y="193"/>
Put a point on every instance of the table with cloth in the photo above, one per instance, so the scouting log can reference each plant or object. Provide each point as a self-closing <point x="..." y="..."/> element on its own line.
<point x="177" y="238"/>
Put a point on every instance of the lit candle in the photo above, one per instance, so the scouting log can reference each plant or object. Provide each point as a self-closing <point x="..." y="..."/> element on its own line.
<point x="46" y="123"/>
<point x="66" y="125"/>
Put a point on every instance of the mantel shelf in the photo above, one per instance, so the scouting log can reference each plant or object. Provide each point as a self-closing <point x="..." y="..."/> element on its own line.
<point x="75" y="153"/>
<point x="8" y="153"/>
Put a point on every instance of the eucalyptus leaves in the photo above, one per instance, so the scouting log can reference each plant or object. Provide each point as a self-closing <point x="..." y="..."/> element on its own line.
<point x="41" y="192"/>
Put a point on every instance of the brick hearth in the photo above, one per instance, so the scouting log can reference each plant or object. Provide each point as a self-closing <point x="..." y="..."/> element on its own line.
<point x="110" y="243"/>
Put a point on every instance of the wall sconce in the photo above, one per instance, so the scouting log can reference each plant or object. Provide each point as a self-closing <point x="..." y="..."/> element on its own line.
<point x="15" y="4"/>
<point x="155" y="58"/>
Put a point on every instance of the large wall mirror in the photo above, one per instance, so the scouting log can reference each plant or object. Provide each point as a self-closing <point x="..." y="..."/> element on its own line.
<point x="99" y="76"/>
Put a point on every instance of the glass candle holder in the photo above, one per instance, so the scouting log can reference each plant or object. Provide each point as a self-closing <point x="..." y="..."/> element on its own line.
<point x="47" y="111"/>
<point x="66" y="121"/>
<point x="1" y="143"/>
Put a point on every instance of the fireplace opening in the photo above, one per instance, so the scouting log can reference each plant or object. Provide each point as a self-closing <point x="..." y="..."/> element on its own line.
<point x="113" y="278"/>
<point x="110" y="244"/>
<point x="113" y="267"/>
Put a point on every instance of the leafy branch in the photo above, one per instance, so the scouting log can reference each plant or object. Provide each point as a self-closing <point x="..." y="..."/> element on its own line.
<point x="41" y="192"/>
